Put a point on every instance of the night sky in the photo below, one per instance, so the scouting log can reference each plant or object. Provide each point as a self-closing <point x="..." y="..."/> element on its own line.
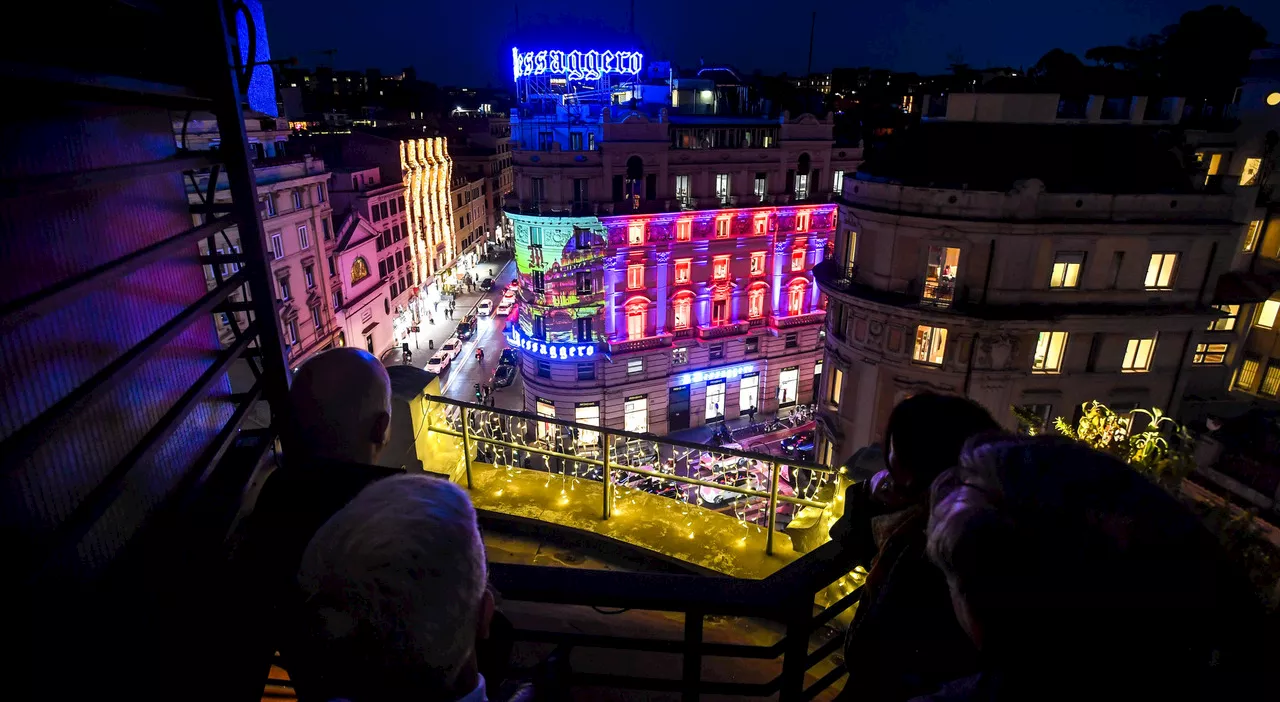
<point x="468" y="42"/>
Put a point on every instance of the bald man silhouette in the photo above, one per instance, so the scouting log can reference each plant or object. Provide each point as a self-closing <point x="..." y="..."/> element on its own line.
<point x="339" y="422"/>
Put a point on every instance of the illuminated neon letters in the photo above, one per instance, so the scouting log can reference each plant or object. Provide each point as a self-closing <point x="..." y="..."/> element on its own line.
<point x="575" y="65"/>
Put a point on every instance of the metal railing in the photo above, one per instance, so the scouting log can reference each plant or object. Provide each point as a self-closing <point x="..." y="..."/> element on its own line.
<point x="754" y="488"/>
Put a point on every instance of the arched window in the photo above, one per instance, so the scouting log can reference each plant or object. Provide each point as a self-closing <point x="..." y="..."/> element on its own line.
<point x="755" y="302"/>
<point x="359" y="270"/>
<point x="795" y="296"/>
<point x="637" y="318"/>
<point x="682" y="312"/>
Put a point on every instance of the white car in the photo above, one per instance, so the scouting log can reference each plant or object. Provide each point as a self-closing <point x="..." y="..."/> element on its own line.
<point x="439" y="361"/>
<point x="504" y="307"/>
<point x="509" y="295"/>
<point x="485" y="309"/>
<point x="451" y="346"/>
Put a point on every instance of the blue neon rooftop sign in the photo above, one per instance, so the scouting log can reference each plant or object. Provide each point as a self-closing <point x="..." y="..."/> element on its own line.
<point x="575" y="65"/>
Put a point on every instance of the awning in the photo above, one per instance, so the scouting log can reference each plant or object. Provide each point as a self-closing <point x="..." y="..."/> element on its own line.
<point x="369" y="328"/>
<point x="1237" y="287"/>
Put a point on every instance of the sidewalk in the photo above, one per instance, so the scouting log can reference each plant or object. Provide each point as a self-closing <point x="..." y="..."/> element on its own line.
<point x="703" y="434"/>
<point x="428" y="333"/>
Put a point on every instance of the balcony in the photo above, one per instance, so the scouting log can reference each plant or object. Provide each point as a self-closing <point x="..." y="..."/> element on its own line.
<point x="723" y="330"/>
<point x="618" y="346"/>
<point x="798" y="320"/>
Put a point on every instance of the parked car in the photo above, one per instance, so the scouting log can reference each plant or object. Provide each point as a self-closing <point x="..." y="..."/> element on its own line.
<point x="504" y="308"/>
<point x="504" y="376"/>
<point x="485" y="309"/>
<point x="486" y="284"/>
<point x="452" y="346"/>
<point x="791" y="443"/>
<point x="509" y="357"/>
<point x="439" y="361"/>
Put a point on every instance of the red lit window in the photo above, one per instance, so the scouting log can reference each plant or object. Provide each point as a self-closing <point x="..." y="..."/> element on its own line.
<point x="802" y="221"/>
<point x="722" y="228"/>
<point x="757" y="263"/>
<point x="684" y="230"/>
<point x="797" y="260"/>
<point x="682" y="308"/>
<point x="635" y="233"/>
<point x="683" y="268"/>
<point x="761" y="224"/>
<point x="755" y="303"/>
<point x="719" y="312"/>
<point x="635" y="276"/>
<point x="795" y="297"/>
<point x="720" y="268"/>
<point x="637" y="320"/>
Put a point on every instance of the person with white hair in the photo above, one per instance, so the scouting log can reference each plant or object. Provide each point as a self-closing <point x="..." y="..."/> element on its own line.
<point x="394" y="598"/>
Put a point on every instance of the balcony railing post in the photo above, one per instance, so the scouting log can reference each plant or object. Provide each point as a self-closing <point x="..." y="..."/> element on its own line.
<point x="773" y="506"/>
<point x="605" y="472"/>
<point x="466" y="442"/>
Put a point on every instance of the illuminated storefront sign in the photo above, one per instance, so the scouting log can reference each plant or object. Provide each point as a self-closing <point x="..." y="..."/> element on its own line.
<point x="575" y="65"/>
<point x="555" y="351"/>
<point x="714" y="374"/>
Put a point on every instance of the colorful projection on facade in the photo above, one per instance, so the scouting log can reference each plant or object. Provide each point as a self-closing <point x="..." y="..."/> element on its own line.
<point x="575" y="65"/>
<point x="560" y="264"/>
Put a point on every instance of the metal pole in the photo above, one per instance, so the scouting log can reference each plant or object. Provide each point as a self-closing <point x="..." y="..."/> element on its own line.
<point x="608" y="482"/>
<point x="773" y="506"/>
<point x="466" y="442"/>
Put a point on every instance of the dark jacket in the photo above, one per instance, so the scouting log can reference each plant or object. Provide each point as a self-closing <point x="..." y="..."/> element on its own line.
<point x="295" y="501"/>
<point x="904" y="640"/>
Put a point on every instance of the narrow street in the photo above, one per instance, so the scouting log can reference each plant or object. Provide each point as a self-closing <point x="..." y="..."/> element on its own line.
<point x="459" y="379"/>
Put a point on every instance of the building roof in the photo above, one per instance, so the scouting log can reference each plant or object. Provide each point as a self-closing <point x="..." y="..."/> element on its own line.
<point x="1068" y="159"/>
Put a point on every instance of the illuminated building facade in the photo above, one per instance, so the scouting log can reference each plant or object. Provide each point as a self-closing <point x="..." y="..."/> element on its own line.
<point x="664" y="252"/>
<point x="428" y="180"/>
<point x="962" y="274"/>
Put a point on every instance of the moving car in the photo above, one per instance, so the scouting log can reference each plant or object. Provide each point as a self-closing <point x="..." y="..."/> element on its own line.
<point x="504" y="308"/>
<point x="466" y="328"/>
<point x="439" y="361"/>
<point x="791" y="443"/>
<point x="515" y="283"/>
<point x="452" y="346"/>
<point x="509" y="294"/>
<point x="509" y="357"/>
<point x="504" y="376"/>
<point x="486" y="284"/>
<point x="485" y="309"/>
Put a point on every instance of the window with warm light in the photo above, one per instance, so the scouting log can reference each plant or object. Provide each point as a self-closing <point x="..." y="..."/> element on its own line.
<point x="722" y="227"/>
<point x="1049" y="351"/>
<point x="1251" y="236"/>
<point x="719" y="312"/>
<point x="802" y="221"/>
<point x="1270" y="381"/>
<point x="931" y="345"/>
<point x="635" y="233"/>
<point x="682" y="312"/>
<point x="720" y="268"/>
<point x="836" y="387"/>
<point x="1248" y="373"/>
<point x="635" y="276"/>
<point x="1267" y="312"/>
<point x="942" y="267"/>
<point x="761" y="224"/>
<point x="797" y="260"/>
<point x="1066" y="269"/>
<point x="635" y="414"/>
<point x="755" y="303"/>
<point x="1160" y="271"/>
<point x="684" y="230"/>
<point x="684" y="268"/>
<point x="795" y="297"/>
<point x="1249" y="174"/>
<point x="637" y="316"/>
<point x="1210" y="354"/>
<point x="722" y="188"/>
<point x="1228" y="322"/>
<point x="1137" y="355"/>
<point x="757" y="263"/>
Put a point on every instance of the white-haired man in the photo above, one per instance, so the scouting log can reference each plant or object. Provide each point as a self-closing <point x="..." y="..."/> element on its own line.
<point x="395" y="597"/>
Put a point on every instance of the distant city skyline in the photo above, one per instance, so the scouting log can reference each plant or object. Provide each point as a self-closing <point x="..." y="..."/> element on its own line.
<point x="468" y="44"/>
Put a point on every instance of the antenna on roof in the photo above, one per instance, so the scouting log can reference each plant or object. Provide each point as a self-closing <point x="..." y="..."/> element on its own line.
<point x="808" y="70"/>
